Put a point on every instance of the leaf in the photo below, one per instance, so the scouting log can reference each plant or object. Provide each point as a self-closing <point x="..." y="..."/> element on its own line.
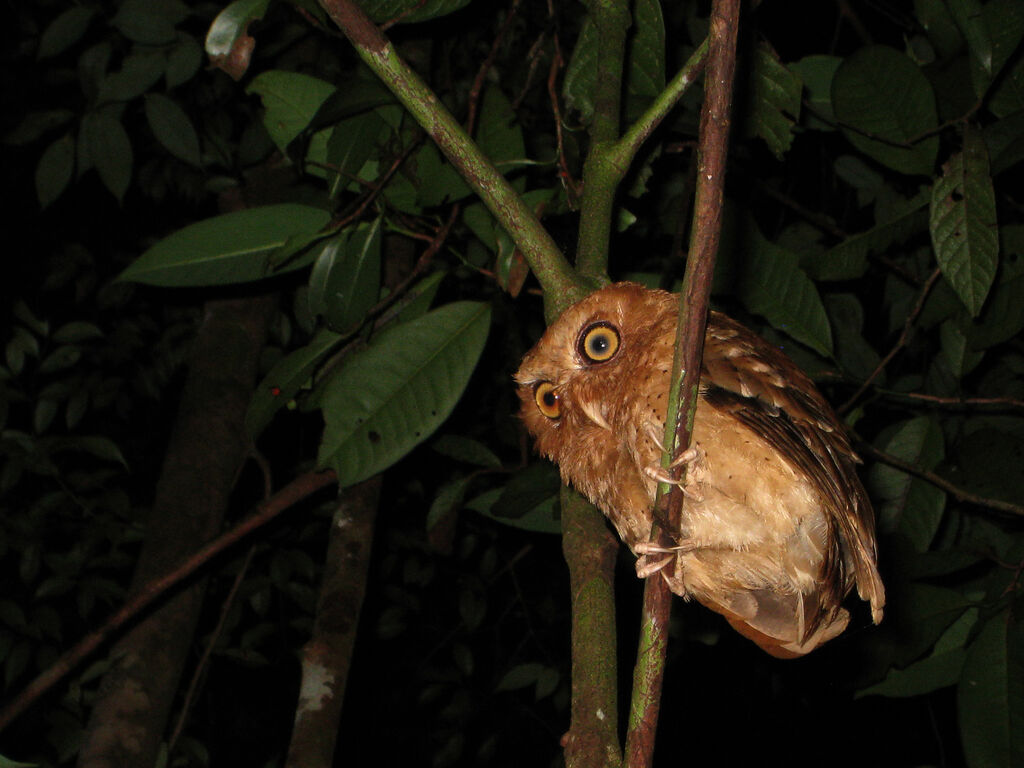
<point x="291" y="101"/>
<point x="1004" y="21"/>
<point x="852" y="350"/>
<point x="581" y="74"/>
<point x="990" y="697"/>
<point x="773" y="285"/>
<point x="410" y="11"/>
<point x="520" y="676"/>
<point x="1002" y="318"/>
<point x="227" y="249"/>
<point x="150" y="22"/>
<point x="880" y="92"/>
<point x="645" y="73"/>
<point x="773" y="101"/>
<point x="543" y="518"/>
<point x="848" y="259"/>
<point x="345" y="280"/>
<point x="907" y="503"/>
<point x="232" y="22"/>
<point x="286" y="378"/>
<point x="138" y="73"/>
<point x="76" y="331"/>
<point x="351" y="143"/>
<point x="109" y="150"/>
<point x="54" y="171"/>
<point x="35" y="124"/>
<point x="447" y="500"/>
<point x="956" y="349"/>
<point x="816" y="73"/>
<point x="391" y="396"/>
<point x="172" y="128"/>
<point x="499" y="136"/>
<point x="183" y="62"/>
<point x="64" y="31"/>
<point x="963" y="223"/>
<point x="466" y="449"/>
<point x="940" y="669"/>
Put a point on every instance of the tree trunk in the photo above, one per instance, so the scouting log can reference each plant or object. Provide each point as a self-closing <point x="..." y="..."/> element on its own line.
<point x="207" y="447"/>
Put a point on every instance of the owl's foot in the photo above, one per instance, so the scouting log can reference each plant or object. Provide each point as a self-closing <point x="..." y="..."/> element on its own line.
<point x="661" y="475"/>
<point x="647" y="564"/>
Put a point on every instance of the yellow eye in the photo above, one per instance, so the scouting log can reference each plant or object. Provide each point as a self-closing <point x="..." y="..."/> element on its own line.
<point x="548" y="400"/>
<point x="598" y="343"/>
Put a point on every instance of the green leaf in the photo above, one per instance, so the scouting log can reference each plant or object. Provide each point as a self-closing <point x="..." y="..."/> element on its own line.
<point x="969" y="18"/>
<point x="956" y="349"/>
<point x="56" y="166"/>
<point x="231" y="248"/>
<point x="35" y="124"/>
<point x="773" y="101"/>
<point x="60" y="359"/>
<point x="291" y="101"/>
<point x="645" y="72"/>
<point x="816" y="73"/>
<point x="286" y="378"/>
<point x="410" y="11"/>
<point x="884" y="102"/>
<point x="416" y="303"/>
<point x="963" y="223"/>
<point x="447" y="500"/>
<point x="345" y="280"/>
<point x="852" y="350"/>
<point x="138" y="73"/>
<point x="351" y="143"/>
<point x="231" y="23"/>
<point x="76" y="331"/>
<point x="940" y="669"/>
<point x="520" y="676"/>
<point x="172" y="128"/>
<point x="773" y="285"/>
<point x="150" y="22"/>
<point x="990" y="697"/>
<point x="64" y="31"/>
<point x="938" y="23"/>
<point x="183" y="62"/>
<point x="1004" y="21"/>
<point x="466" y="449"/>
<point x="848" y="259"/>
<point x="109" y="150"/>
<point x="990" y="463"/>
<point x="907" y="503"/>
<point x="1002" y="317"/>
<point x="499" y="136"/>
<point x="581" y="74"/>
<point x="391" y="396"/>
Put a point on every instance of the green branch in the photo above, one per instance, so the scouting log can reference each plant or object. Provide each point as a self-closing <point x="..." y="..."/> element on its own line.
<point x="553" y="271"/>
<point x="686" y="367"/>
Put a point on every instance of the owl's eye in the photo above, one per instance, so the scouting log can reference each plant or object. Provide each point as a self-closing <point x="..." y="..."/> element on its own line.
<point x="548" y="401"/>
<point x="598" y="343"/>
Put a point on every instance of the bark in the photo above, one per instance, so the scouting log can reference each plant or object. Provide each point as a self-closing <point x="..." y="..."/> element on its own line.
<point x="327" y="656"/>
<point x="207" y="447"/>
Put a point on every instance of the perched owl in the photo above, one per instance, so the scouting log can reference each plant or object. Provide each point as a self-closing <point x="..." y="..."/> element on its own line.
<point x="776" y="526"/>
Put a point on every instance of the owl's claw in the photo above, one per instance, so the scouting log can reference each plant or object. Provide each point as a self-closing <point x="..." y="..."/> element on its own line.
<point x="646" y="565"/>
<point x="662" y="476"/>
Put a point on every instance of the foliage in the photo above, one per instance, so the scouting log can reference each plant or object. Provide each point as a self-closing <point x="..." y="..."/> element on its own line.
<point x="872" y="217"/>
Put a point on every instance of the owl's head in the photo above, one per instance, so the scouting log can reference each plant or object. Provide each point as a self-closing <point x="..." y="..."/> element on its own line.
<point x="583" y="370"/>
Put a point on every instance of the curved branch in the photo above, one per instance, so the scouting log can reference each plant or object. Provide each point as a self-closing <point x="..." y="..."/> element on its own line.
<point x="686" y="367"/>
<point x="291" y="494"/>
<point x="547" y="262"/>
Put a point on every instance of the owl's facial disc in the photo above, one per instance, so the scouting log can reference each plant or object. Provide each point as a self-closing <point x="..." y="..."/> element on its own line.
<point x="548" y="401"/>
<point x="598" y="342"/>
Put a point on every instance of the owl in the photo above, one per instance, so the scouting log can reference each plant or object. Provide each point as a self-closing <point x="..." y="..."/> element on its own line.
<point x="776" y="527"/>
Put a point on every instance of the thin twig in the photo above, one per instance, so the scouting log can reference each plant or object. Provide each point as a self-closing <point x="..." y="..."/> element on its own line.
<point x="993" y="403"/>
<point x="686" y="367"/>
<point x="297" y="490"/>
<point x="939" y="482"/>
<point x="908" y="326"/>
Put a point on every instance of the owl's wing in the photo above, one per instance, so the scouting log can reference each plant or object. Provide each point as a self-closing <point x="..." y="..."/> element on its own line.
<point x="763" y="389"/>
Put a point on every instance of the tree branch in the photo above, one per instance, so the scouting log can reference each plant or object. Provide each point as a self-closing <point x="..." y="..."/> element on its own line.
<point x="547" y="262"/>
<point x="686" y="367"/>
<point x="291" y="494"/>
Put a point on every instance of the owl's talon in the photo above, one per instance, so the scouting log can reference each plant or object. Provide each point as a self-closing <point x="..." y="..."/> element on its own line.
<point x="662" y="476"/>
<point x="648" y="566"/>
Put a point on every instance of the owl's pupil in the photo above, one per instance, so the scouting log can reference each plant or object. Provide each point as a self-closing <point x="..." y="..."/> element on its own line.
<point x="550" y="399"/>
<point x="599" y="345"/>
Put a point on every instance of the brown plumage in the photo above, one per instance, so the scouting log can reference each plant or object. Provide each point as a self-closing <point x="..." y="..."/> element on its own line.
<point x="776" y="529"/>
